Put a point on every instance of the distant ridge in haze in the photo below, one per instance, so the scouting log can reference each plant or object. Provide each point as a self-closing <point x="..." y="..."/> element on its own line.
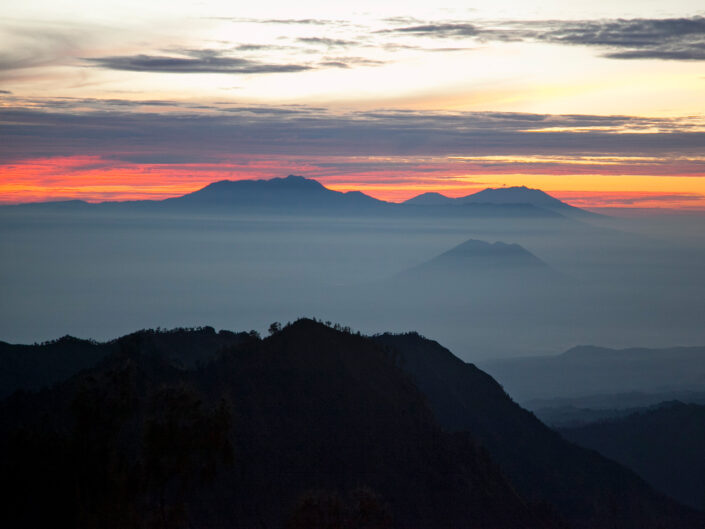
<point x="501" y="196"/>
<point x="475" y="260"/>
<point x="589" y="370"/>
<point x="297" y="194"/>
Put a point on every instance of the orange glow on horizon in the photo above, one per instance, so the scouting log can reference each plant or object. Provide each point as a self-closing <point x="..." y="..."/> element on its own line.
<point x="95" y="179"/>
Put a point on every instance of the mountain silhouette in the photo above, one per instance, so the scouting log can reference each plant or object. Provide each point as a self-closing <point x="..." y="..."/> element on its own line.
<point x="282" y="194"/>
<point x="663" y="444"/>
<point x="297" y="423"/>
<point x="589" y="370"/>
<point x="33" y="367"/>
<point x="502" y="196"/>
<point x="270" y="433"/>
<point x="299" y="195"/>
<point x="587" y="489"/>
<point x="476" y="262"/>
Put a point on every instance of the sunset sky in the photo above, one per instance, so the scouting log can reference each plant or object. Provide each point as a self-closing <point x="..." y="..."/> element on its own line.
<point x="601" y="103"/>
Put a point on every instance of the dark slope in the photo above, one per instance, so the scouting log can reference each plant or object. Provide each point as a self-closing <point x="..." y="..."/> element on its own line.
<point x="664" y="444"/>
<point x="32" y="367"/>
<point x="589" y="370"/>
<point x="589" y="490"/>
<point x="309" y="408"/>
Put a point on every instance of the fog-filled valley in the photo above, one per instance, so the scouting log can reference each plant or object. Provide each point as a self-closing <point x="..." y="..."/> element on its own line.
<point x="111" y="268"/>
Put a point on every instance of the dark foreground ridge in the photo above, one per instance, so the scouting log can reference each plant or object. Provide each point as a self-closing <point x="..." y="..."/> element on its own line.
<point x="312" y="427"/>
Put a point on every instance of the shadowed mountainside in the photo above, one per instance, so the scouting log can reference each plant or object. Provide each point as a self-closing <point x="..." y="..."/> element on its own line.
<point x="293" y="423"/>
<point x="309" y="409"/>
<point x="663" y="444"/>
<point x="32" y="367"/>
<point x="587" y="489"/>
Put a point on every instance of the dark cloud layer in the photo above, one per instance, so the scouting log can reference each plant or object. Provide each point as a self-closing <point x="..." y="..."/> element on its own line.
<point x="668" y="38"/>
<point x="59" y="130"/>
<point x="199" y="61"/>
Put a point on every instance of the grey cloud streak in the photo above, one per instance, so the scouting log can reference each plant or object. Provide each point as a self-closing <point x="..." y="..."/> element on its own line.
<point x="665" y="39"/>
<point x="198" y="61"/>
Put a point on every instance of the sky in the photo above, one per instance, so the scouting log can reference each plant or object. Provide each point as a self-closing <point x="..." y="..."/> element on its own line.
<point x="601" y="103"/>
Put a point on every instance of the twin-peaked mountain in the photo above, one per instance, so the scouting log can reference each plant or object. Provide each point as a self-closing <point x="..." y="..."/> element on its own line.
<point x="312" y="427"/>
<point x="501" y="196"/>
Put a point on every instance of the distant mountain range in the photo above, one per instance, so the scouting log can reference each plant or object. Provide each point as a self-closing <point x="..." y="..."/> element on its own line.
<point x="587" y="370"/>
<point x="386" y="431"/>
<point x="296" y="194"/>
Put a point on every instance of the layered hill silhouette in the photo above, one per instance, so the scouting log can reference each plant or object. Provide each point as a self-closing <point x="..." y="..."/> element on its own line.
<point x="589" y="370"/>
<point x="310" y="425"/>
<point x="663" y="444"/>
<point x="587" y="489"/>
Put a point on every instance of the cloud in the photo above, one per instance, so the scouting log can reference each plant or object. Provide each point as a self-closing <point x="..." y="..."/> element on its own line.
<point x="5" y="92"/>
<point x="294" y="21"/>
<point x="330" y="43"/>
<point x="195" y="61"/>
<point x="665" y="39"/>
<point x="62" y="127"/>
<point x="446" y="30"/>
<point x="348" y="62"/>
<point x="37" y="47"/>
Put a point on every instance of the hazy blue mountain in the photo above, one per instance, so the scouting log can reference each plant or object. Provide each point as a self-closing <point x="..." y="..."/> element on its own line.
<point x="502" y="196"/>
<point x="580" y="410"/>
<point x="664" y="444"/>
<point x="588" y="370"/>
<point x="589" y="490"/>
<point x="484" y="267"/>
<point x="476" y="255"/>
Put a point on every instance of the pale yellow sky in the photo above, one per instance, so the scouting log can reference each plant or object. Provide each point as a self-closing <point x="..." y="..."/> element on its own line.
<point x="46" y="46"/>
